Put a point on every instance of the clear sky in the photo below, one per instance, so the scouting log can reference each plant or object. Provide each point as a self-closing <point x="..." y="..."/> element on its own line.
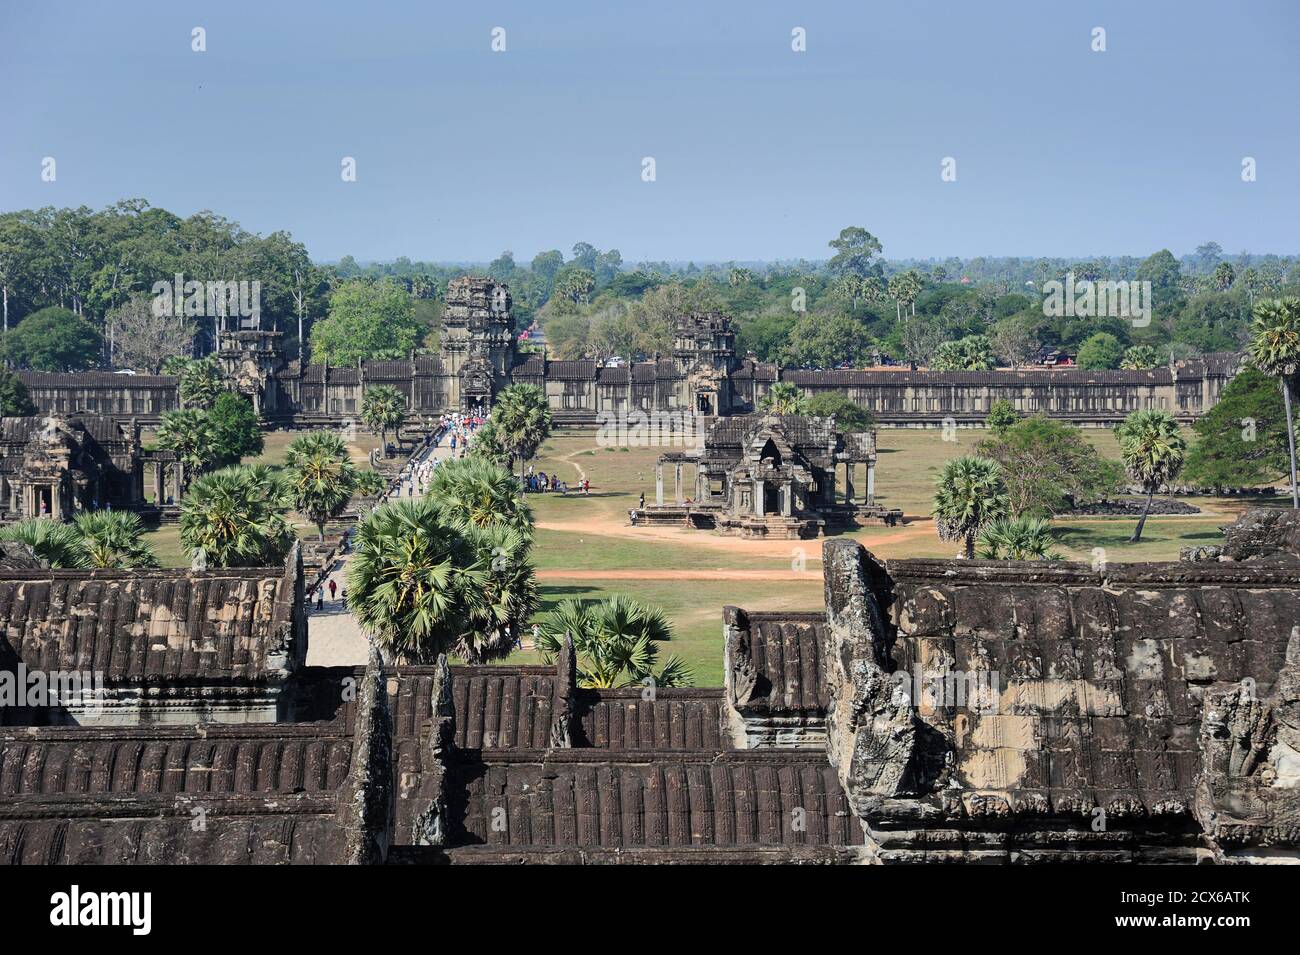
<point x="761" y="152"/>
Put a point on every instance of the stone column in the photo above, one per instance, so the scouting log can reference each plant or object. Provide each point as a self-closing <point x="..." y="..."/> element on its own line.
<point x="787" y="500"/>
<point x="56" y="502"/>
<point x="758" y="499"/>
<point x="677" y="482"/>
<point x="871" y="484"/>
<point x="158" y="483"/>
<point x="848" y="482"/>
<point x="659" y="484"/>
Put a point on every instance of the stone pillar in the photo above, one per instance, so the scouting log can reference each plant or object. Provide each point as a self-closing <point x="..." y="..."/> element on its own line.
<point x="158" y="483"/>
<point x="677" y="482"/>
<point x="56" y="502"/>
<point x="787" y="500"/>
<point x="848" y="482"/>
<point x="659" y="484"/>
<point x="176" y="482"/>
<point x="758" y="499"/>
<point x="871" y="484"/>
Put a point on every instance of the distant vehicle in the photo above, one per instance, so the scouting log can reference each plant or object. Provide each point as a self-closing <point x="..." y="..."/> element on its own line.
<point x="615" y="362"/>
<point x="125" y="371"/>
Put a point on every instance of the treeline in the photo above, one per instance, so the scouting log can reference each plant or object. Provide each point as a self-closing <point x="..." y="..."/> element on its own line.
<point x="78" y="285"/>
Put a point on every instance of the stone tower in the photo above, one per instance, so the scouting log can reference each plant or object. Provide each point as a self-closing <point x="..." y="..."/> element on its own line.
<point x="478" y="340"/>
<point x="704" y="349"/>
<point x="249" y="359"/>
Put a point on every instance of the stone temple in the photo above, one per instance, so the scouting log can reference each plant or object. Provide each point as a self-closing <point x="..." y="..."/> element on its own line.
<point x="478" y="356"/>
<point x="771" y="476"/>
<point x="934" y="711"/>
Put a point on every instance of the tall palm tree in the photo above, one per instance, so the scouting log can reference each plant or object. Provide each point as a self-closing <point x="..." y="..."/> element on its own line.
<point x="48" y="540"/>
<point x="382" y="409"/>
<point x="1275" y="350"/>
<point x="475" y="490"/>
<point x="421" y="587"/>
<point x="784" y="398"/>
<point x="1017" y="538"/>
<point x="616" y="642"/>
<point x="499" y="607"/>
<point x="322" y="483"/>
<point x="306" y="445"/>
<point x="113" y="539"/>
<point x="235" y="517"/>
<point x="521" y="422"/>
<point x="1153" y="450"/>
<point x="188" y="433"/>
<point x="970" y="495"/>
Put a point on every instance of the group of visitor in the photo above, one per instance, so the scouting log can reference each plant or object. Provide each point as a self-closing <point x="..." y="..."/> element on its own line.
<point x="540" y="482"/>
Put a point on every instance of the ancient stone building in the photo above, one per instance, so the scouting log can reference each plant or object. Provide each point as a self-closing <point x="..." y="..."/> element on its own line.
<point x="56" y="466"/>
<point x="703" y="376"/>
<point x="771" y="476"/>
<point x="935" y="711"/>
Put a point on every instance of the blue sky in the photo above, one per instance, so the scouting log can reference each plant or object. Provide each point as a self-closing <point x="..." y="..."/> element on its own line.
<point x="761" y="153"/>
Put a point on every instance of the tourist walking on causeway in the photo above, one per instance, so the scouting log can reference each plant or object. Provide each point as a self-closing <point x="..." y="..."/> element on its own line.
<point x="333" y="587"/>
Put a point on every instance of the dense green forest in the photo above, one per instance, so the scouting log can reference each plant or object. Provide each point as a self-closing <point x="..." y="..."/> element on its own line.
<point x="77" y="285"/>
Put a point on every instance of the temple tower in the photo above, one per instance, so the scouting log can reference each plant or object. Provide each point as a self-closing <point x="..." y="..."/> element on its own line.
<point x="704" y="349"/>
<point x="477" y="344"/>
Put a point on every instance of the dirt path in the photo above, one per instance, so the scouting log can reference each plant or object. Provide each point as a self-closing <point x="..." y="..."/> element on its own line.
<point x="680" y="575"/>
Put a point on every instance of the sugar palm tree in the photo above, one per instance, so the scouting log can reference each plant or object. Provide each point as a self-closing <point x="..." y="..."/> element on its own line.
<point x="235" y="517"/>
<point x="521" y="422"/>
<point x="1017" y="538"/>
<point x="421" y="587"/>
<point x="321" y="482"/>
<point x="1140" y="358"/>
<point x="616" y="642"/>
<point x="1275" y="350"/>
<point x="783" y="398"/>
<point x="475" y="490"/>
<point x="306" y="445"/>
<point x="188" y="433"/>
<point x="369" y="483"/>
<point x="53" y="541"/>
<point x="113" y="539"/>
<point x="1153" y="450"/>
<point x="382" y="409"/>
<point x="500" y="605"/>
<point x="970" y="495"/>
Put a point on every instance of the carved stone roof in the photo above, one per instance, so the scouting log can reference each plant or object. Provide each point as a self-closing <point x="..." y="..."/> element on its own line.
<point x="154" y="626"/>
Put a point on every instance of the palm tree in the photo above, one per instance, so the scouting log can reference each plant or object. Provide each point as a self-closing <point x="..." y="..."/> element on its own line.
<point x="1152" y="449"/>
<point x="421" y="587"/>
<point x="475" y="490"/>
<point x="1275" y="350"/>
<point x="1140" y="358"/>
<point x="1017" y="538"/>
<point x="53" y="541"/>
<point x="498" y="608"/>
<point x="783" y="398"/>
<point x="321" y="482"/>
<point x="307" y="445"/>
<point x="369" y="483"/>
<point x="521" y="421"/>
<point x="616" y="642"/>
<point x="188" y="433"/>
<point x="112" y="539"/>
<point x="971" y="494"/>
<point x="235" y="517"/>
<point x="382" y="409"/>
